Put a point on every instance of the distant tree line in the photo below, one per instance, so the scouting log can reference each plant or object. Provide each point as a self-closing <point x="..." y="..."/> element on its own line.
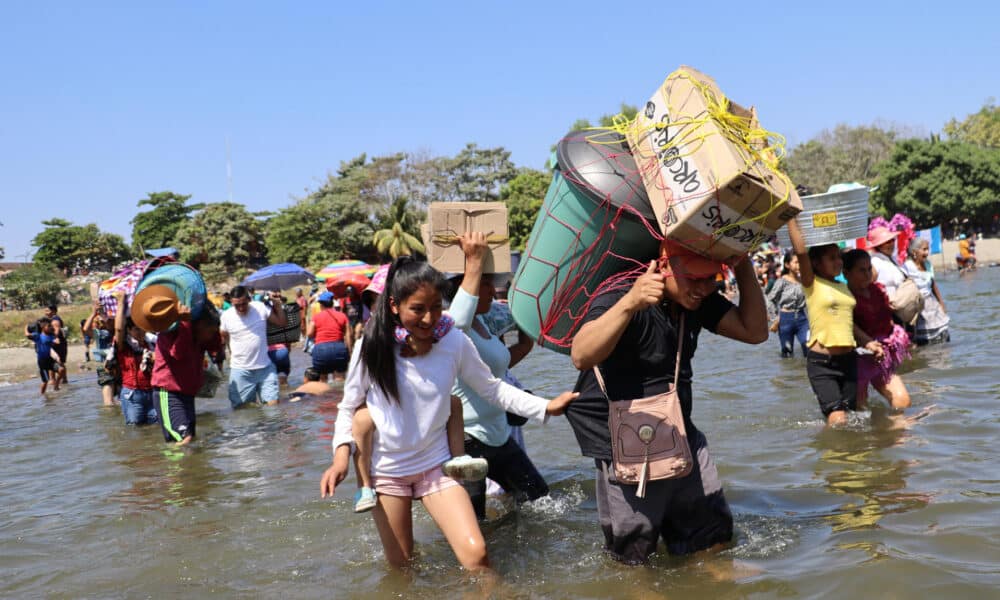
<point x="370" y="208"/>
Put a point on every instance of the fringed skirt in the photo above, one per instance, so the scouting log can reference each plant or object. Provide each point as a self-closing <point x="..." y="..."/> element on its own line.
<point x="878" y="372"/>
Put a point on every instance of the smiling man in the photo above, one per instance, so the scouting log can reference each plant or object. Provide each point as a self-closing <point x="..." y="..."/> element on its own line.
<point x="632" y="336"/>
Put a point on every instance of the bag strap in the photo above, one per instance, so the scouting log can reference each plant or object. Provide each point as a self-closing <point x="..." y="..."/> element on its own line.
<point x="677" y="364"/>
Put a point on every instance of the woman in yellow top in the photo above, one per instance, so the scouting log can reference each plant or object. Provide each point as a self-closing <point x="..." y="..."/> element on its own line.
<point x="831" y="362"/>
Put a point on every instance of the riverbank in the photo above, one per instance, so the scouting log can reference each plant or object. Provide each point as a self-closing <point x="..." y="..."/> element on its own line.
<point x="20" y="363"/>
<point x="987" y="253"/>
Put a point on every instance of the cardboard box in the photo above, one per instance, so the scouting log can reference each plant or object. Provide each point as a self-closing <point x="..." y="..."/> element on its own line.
<point x="447" y="220"/>
<point x="710" y="193"/>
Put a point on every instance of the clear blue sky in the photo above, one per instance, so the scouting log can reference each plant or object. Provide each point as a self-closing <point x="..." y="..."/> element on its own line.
<point x="103" y="102"/>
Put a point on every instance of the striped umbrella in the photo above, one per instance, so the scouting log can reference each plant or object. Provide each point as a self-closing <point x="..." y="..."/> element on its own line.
<point x="346" y="267"/>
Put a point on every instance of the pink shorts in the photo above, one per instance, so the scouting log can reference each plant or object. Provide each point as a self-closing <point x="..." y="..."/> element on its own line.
<point x="414" y="486"/>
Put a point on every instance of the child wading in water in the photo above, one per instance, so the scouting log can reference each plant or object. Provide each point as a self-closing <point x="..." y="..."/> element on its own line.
<point x="407" y="390"/>
<point x="833" y="336"/>
<point x="44" y="337"/>
<point x="873" y="315"/>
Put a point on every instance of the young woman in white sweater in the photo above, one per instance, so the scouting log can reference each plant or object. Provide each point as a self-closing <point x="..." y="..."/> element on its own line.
<point x="407" y="389"/>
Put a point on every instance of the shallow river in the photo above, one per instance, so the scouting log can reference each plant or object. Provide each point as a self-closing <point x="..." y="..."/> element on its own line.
<point x="89" y="508"/>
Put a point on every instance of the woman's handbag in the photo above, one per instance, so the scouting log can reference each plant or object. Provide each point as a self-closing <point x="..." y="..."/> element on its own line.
<point x="907" y="302"/>
<point x="648" y="437"/>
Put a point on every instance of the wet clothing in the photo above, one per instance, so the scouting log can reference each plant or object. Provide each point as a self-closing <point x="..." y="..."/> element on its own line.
<point x="247" y="385"/>
<point x="330" y="357"/>
<point x="873" y="315"/>
<point x="932" y="324"/>
<point x="138" y="407"/>
<point x="179" y="365"/>
<point x="278" y="353"/>
<point x="830" y="307"/>
<point x="691" y="512"/>
<point x="834" y="380"/>
<point x="792" y="326"/>
<point x="510" y="467"/>
<point x="411" y="430"/>
<point x="641" y="365"/>
<point x="43" y="352"/>
<point x="177" y="418"/>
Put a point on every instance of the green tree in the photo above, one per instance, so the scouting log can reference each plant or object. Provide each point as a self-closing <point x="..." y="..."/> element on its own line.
<point x="320" y="228"/>
<point x="223" y="239"/>
<point x="981" y="128"/>
<point x="157" y="227"/>
<point x="475" y="174"/>
<point x="71" y="248"/>
<point x="934" y="182"/>
<point x="625" y="112"/>
<point x="524" y="195"/>
<point x="843" y="155"/>
<point x="32" y="285"/>
<point x="397" y="237"/>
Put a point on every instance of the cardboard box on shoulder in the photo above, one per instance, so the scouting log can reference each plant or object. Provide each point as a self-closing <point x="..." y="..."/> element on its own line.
<point x="448" y="220"/>
<point x="708" y="170"/>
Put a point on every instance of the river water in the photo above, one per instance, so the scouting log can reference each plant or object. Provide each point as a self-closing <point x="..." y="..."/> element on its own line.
<point x="90" y="508"/>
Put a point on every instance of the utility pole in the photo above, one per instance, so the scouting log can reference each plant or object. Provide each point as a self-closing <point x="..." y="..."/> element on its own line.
<point x="229" y="170"/>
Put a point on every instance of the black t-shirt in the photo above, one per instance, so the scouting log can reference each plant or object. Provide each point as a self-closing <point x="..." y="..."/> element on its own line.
<point x="641" y="365"/>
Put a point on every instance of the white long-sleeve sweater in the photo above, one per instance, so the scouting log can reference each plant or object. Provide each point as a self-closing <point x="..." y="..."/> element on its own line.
<point x="411" y="434"/>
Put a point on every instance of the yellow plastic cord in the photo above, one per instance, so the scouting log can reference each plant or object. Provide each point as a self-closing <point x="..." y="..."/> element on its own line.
<point x="445" y="239"/>
<point x="760" y="147"/>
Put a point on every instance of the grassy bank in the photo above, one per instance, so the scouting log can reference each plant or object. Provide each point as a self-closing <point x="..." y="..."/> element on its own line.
<point x="12" y="323"/>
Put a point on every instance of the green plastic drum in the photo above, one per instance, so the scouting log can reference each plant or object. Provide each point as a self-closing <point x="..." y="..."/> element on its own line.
<point x="595" y="223"/>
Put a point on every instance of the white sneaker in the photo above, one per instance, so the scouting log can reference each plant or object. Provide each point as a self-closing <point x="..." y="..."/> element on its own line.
<point x="466" y="468"/>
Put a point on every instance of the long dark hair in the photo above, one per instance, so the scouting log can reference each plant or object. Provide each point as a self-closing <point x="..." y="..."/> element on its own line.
<point x="378" y="351"/>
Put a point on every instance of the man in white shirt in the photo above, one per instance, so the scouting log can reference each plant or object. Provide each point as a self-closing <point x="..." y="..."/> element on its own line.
<point x="244" y="329"/>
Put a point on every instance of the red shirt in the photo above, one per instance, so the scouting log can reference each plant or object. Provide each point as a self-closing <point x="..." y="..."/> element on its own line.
<point x="874" y="313"/>
<point x="179" y="364"/>
<point x="330" y="326"/>
<point x="133" y="377"/>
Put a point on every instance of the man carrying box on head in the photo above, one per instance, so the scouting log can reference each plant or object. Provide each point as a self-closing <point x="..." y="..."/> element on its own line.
<point x="638" y="343"/>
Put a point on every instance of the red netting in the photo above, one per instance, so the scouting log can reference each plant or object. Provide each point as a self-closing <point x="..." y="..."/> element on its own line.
<point x="597" y="260"/>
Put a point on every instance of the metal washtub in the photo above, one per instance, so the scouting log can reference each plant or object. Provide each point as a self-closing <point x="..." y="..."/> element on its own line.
<point x="832" y="217"/>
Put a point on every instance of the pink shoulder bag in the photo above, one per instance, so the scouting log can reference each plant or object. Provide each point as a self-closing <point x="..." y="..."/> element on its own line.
<point x="648" y="438"/>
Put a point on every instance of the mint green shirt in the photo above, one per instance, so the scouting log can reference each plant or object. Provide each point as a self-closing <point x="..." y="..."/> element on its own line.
<point x="484" y="421"/>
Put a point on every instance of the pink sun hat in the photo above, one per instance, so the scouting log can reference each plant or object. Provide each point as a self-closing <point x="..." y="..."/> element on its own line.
<point x="377" y="286"/>
<point x="880" y="235"/>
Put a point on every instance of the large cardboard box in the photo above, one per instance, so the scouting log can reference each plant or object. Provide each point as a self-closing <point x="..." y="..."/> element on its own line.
<point x="447" y="220"/>
<point x="709" y="179"/>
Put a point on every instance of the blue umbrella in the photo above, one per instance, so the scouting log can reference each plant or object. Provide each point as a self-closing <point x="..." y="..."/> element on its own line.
<point x="279" y="277"/>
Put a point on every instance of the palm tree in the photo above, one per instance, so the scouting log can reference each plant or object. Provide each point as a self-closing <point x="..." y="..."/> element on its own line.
<point x="395" y="240"/>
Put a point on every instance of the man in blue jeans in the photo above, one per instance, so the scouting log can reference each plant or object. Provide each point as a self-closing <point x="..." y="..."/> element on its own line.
<point x="243" y="326"/>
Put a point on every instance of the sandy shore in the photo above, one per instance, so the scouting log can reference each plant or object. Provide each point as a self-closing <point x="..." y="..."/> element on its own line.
<point x="20" y="364"/>
<point x="987" y="252"/>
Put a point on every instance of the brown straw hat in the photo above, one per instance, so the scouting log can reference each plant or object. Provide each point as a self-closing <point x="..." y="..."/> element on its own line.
<point x="155" y="308"/>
